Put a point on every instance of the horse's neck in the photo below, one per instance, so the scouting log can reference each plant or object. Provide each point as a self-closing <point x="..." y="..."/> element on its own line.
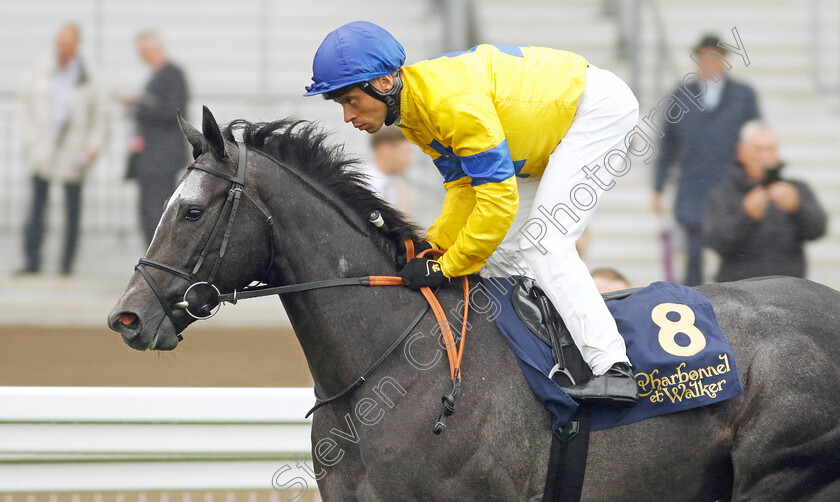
<point x="344" y="329"/>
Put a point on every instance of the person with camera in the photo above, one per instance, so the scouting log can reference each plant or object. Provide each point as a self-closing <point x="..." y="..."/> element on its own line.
<point x="758" y="221"/>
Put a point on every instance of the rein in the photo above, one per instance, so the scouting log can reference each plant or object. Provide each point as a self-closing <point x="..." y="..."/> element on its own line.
<point x="454" y="351"/>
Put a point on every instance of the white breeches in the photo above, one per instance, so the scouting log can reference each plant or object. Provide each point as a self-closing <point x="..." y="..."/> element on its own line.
<point x="555" y="209"/>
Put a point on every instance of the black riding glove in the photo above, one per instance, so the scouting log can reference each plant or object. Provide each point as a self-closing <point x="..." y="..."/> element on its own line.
<point x="423" y="272"/>
<point x="419" y="247"/>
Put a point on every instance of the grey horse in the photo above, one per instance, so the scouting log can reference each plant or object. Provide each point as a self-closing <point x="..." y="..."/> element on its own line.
<point x="303" y="217"/>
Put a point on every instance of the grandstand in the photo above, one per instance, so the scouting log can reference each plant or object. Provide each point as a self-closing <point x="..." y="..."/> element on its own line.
<point x="251" y="59"/>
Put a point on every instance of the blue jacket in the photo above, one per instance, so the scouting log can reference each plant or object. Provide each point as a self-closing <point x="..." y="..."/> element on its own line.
<point x="701" y="147"/>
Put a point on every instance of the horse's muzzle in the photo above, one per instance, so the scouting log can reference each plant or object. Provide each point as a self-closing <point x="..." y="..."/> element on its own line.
<point x="124" y="322"/>
<point x="131" y="326"/>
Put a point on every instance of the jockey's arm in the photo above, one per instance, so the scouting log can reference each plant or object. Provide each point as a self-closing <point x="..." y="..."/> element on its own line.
<point x="457" y="206"/>
<point x="486" y="225"/>
<point x="482" y="202"/>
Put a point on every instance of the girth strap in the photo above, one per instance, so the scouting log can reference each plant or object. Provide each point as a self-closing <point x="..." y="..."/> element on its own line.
<point x="567" y="461"/>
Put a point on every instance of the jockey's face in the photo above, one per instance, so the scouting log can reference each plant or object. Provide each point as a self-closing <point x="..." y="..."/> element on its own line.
<point x="365" y="112"/>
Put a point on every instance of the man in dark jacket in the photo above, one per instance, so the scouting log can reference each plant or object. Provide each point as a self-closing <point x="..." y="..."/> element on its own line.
<point x="757" y="221"/>
<point x="702" y="145"/>
<point x="159" y="148"/>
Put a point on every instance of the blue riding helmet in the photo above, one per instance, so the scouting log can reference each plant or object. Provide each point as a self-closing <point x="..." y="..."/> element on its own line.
<point x="352" y="54"/>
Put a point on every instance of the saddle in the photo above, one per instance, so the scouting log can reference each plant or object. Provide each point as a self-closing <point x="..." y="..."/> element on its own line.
<point x="535" y="309"/>
<point x="570" y="444"/>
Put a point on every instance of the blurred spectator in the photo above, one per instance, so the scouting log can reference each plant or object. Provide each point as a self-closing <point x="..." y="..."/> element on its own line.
<point x="609" y="279"/>
<point x="63" y="114"/>
<point x="702" y="145"/>
<point x="158" y="148"/>
<point x="392" y="156"/>
<point x="757" y="221"/>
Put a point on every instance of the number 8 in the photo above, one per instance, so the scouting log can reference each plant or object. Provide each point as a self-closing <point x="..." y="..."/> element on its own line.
<point x="669" y="329"/>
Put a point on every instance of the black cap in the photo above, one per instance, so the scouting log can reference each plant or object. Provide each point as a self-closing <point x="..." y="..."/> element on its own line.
<point x="711" y="41"/>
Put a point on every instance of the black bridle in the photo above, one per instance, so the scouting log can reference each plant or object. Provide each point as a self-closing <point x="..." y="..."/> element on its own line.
<point x="210" y="308"/>
<point x="231" y="206"/>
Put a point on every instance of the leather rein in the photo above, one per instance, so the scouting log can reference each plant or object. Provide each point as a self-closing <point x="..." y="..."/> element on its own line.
<point x="454" y="349"/>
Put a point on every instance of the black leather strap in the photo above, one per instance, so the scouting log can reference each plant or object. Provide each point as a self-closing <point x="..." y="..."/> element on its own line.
<point x="362" y="379"/>
<point x="204" y="252"/>
<point x="293" y="288"/>
<point x="167" y="268"/>
<point x="618" y="295"/>
<point x="156" y="290"/>
<point x="567" y="462"/>
<point x="213" y="171"/>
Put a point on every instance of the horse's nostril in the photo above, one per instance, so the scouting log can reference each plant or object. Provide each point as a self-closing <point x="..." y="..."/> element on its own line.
<point x="127" y="319"/>
<point x="125" y="322"/>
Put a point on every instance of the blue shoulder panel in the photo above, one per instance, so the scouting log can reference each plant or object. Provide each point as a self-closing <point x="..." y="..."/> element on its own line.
<point x="448" y="163"/>
<point x="490" y="166"/>
<point x="517" y="166"/>
<point x="511" y="50"/>
<point x="449" y="167"/>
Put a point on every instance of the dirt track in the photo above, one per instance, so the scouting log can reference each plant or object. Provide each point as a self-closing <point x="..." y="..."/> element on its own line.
<point x="208" y="357"/>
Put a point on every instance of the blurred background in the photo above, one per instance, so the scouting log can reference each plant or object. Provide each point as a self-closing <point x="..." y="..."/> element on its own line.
<point x="252" y="58"/>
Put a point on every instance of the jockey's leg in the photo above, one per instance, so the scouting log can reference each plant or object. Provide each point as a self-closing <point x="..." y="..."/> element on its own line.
<point x="574" y="181"/>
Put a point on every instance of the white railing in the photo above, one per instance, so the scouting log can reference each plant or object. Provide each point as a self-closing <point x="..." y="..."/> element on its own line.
<point x="103" y="439"/>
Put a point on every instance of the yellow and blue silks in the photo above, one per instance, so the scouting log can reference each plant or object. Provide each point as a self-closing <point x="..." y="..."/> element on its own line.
<point x="486" y="116"/>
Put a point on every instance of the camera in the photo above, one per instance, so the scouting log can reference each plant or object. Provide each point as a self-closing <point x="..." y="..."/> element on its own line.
<point x="771" y="176"/>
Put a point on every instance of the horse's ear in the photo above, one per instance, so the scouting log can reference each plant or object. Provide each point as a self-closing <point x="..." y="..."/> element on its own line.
<point x="193" y="135"/>
<point x="213" y="134"/>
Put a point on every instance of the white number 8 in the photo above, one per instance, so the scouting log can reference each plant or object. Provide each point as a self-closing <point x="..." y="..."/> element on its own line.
<point x="669" y="329"/>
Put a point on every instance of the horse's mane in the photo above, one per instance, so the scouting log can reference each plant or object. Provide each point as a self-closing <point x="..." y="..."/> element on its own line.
<point x="303" y="146"/>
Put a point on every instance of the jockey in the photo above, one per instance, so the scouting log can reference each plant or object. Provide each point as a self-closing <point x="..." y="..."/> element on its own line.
<point x="520" y="135"/>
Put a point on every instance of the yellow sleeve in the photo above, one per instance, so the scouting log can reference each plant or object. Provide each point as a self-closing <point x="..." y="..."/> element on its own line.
<point x="482" y="203"/>
<point x="457" y="207"/>
<point x="486" y="226"/>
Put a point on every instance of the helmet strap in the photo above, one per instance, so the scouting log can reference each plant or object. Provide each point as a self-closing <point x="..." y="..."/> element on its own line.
<point x="391" y="98"/>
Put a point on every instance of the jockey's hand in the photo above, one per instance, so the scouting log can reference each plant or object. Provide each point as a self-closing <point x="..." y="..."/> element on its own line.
<point x="419" y="247"/>
<point x="423" y="272"/>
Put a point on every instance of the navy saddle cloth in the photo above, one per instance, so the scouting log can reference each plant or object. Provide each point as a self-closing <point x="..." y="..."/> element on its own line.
<point x="679" y="354"/>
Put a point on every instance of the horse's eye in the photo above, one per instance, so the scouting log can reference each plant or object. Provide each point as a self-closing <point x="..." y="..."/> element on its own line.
<point x="193" y="214"/>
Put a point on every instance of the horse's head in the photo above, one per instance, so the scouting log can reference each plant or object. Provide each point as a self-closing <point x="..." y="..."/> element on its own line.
<point x="199" y="247"/>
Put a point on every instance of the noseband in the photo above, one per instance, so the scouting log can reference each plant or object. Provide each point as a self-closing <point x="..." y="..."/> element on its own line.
<point x="231" y="206"/>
